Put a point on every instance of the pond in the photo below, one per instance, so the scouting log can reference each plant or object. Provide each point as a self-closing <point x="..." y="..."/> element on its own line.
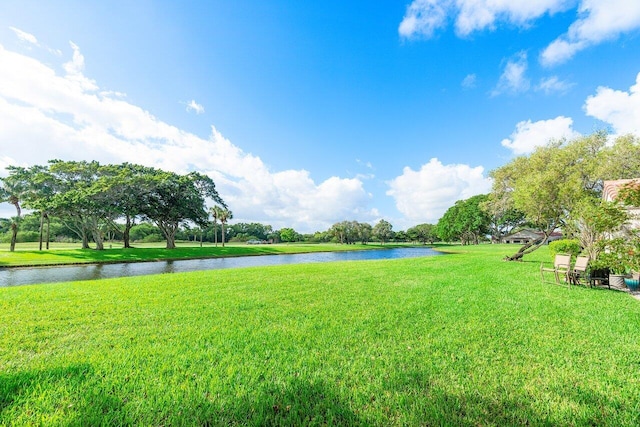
<point x="28" y="276"/>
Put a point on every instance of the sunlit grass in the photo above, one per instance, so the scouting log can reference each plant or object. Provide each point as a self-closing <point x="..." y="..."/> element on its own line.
<point x="465" y="339"/>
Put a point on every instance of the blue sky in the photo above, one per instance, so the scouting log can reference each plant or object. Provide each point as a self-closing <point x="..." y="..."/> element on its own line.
<point x="310" y="113"/>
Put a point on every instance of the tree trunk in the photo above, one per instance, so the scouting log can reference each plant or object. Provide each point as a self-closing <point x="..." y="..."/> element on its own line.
<point x="215" y="234"/>
<point x="48" y="230"/>
<point x="528" y="248"/>
<point x="14" y="235"/>
<point x="41" y="228"/>
<point x="222" y="225"/>
<point x="97" y="237"/>
<point x="171" y="241"/>
<point x="126" y="232"/>
<point x="85" y="240"/>
<point x="96" y="234"/>
<point x="14" y="227"/>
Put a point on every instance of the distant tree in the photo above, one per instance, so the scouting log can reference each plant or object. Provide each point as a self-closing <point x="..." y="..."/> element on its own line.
<point x="287" y="234"/>
<point x="423" y="233"/>
<point x="383" y="231"/>
<point x="364" y="232"/>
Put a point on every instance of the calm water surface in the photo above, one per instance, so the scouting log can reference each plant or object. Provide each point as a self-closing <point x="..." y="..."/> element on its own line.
<point x="28" y="276"/>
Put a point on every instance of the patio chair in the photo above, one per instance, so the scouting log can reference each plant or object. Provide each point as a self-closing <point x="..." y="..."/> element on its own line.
<point x="561" y="266"/>
<point x="579" y="271"/>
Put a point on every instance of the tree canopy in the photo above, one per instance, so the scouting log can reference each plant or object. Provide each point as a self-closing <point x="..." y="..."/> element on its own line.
<point x="90" y="198"/>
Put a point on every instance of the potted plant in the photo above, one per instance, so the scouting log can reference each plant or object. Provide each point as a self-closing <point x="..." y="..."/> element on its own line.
<point x="615" y="257"/>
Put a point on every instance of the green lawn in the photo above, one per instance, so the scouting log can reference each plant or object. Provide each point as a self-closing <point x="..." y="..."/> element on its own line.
<point x="28" y="254"/>
<point x="465" y="339"/>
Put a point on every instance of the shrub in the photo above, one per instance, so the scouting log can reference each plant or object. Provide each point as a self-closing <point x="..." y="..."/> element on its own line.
<point x="151" y="238"/>
<point x="565" y="246"/>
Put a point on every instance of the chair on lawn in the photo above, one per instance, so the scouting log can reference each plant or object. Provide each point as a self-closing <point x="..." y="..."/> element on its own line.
<point x="561" y="265"/>
<point x="579" y="271"/>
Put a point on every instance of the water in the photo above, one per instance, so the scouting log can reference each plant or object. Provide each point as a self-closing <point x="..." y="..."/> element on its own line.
<point x="28" y="276"/>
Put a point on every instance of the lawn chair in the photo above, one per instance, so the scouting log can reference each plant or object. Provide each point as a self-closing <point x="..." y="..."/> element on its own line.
<point x="579" y="271"/>
<point x="561" y="266"/>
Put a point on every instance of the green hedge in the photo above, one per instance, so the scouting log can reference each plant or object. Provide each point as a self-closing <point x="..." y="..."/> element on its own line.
<point x="565" y="246"/>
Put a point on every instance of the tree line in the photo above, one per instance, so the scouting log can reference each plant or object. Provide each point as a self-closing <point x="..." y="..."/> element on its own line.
<point x="558" y="186"/>
<point x="90" y="199"/>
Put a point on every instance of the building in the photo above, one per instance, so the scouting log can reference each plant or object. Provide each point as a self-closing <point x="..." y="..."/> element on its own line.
<point x="610" y="194"/>
<point x="527" y="235"/>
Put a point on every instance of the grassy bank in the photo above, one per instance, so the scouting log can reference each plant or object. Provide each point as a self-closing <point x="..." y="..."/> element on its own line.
<point x="465" y="339"/>
<point x="29" y="255"/>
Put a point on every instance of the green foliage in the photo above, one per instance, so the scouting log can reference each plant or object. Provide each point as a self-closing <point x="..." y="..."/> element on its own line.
<point x="382" y="343"/>
<point x="423" y="233"/>
<point x="593" y="220"/>
<point x="630" y="194"/>
<point x="383" y="231"/>
<point x="549" y="183"/>
<point x="466" y="221"/>
<point x="620" y="255"/>
<point x="288" y="234"/>
<point x="565" y="246"/>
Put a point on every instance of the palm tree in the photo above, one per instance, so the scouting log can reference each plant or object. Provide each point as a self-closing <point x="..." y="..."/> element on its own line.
<point x="224" y="215"/>
<point x="215" y="212"/>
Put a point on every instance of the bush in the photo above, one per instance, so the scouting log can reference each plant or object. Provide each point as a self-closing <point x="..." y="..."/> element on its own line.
<point x="151" y="238"/>
<point x="565" y="246"/>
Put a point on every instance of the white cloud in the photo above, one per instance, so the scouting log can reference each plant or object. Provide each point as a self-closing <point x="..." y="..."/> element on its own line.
<point x="195" y="107"/>
<point x="44" y="116"/>
<point x="529" y="135"/>
<point x="619" y="108"/>
<point x="426" y="194"/>
<point x="424" y="17"/>
<point x="469" y="82"/>
<point x="513" y="79"/>
<point x="553" y="85"/>
<point x="24" y="36"/>
<point x="599" y="21"/>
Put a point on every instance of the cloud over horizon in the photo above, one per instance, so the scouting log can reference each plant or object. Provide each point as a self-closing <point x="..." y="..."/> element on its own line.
<point x="78" y="121"/>
<point x="425" y="195"/>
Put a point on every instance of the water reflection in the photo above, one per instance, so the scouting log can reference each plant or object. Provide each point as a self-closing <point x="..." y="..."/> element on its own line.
<point x="24" y="276"/>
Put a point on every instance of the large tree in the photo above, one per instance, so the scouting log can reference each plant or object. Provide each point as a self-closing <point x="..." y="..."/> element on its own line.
<point x="466" y="220"/>
<point x="549" y="183"/>
<point x="172" y="199"/>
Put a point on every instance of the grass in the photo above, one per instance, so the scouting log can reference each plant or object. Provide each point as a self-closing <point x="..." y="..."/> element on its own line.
<point x="29" y="255"/>
<point x="465" y="339"/>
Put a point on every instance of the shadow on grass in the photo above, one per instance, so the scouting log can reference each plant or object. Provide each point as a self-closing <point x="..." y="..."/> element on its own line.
<point x="296" y="403"/>
<point x="64" y="393"/>
<point x="569" y="404"/>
